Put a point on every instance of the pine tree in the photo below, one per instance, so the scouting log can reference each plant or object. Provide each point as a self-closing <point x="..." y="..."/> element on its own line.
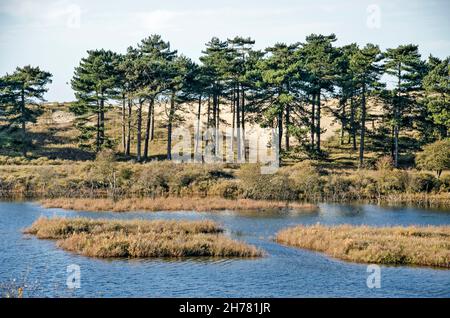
<point x="437" y="90"/>
<point x="182" y="71"/>
<point x="320" y="58"/>
<point x="366" y="71"/>
<point x="129" y="81"/>
<point x="216" y="60"/>
<point x="94" y="82"/>
<point x="194" y="90"/>
<point x="122" y="90"/>
<point x="155" y="55"/>
<point x="404" y="65"/>
<point x="345" y="93"/>
<point x="280" y="81"/>
<point x="21" y="93"/>
<point x="240" y="49"/>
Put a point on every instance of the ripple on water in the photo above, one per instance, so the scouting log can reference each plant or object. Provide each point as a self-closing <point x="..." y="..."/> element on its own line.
<point x="284" y="272"/>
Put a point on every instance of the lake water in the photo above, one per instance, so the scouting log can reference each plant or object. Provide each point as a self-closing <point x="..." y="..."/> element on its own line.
<point x="284" y="272"/>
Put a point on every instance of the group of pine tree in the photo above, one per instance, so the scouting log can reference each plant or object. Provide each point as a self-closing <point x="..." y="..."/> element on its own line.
<point x="283" y="87"/>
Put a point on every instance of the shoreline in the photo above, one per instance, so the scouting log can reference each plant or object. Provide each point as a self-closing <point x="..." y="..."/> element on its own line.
<point x="433" y="201"/>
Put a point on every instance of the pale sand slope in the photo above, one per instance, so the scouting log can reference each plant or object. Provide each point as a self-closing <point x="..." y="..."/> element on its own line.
<point x="188" y="113"/>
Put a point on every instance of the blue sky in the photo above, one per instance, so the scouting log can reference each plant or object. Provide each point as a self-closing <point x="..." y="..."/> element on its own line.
<point x="55" y="34"/>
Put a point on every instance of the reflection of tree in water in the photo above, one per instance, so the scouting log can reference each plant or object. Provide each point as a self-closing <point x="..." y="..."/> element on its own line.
<point x="351" y="210"/>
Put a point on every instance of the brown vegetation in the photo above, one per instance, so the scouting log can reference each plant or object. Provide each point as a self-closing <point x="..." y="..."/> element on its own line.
<point x="413" y="245"/>
<point x="170" y="204"/>
<point x="140" y="238"/>
<point x="304" y="181"/>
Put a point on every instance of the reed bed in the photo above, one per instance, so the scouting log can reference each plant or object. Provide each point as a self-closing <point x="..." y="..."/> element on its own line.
<point x="169" y="204"/>
<point x="413" y="245"/>
<point x="140" y="238"/>
<point x="421" y="199"/>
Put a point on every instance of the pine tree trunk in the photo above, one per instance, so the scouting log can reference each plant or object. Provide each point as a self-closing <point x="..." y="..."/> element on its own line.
<point x="139" y="131"/>
<point x="313" y="119"/>
<point x="197" y="135"/>
<point x="238" y="125"/>
<point x="233" y="120"/>
<point x="214" y="111"/>
<point x="217" y="143"/>
<point x="392" y="141"/>
<point x="352" y="122"/>
<point x="280" y="129"/>
<point x="97" y="139"/>
<point x="363" y="126"/>
<point x="318" y="120"/>
<point x="208" y="113"/>
<point x="218" y="115"/>
<point x="169" y="126"/>
<point x="148" y="127"/>
<point x="208" y="120"/>
<point x="128" y="145"/>
<point x="288" y="111"/>
<point x="23" y="122"/>
<point x="396" y="146"/>
<point x="243" y="122"/>
<point x="102" y="120"/>
<point x="214" y="119"/>
<point x="243" y="108"/>
<point x="124" y="142"/>
<point x="152" y="134"/>
<point x="397" y="115"/>
<point x="343" y="121"/>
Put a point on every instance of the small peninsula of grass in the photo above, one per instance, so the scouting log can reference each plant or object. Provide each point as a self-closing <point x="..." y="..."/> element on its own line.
<point x="140" y="238"/>
<point x="413" y="245"/>
<point x="170" y="204"/>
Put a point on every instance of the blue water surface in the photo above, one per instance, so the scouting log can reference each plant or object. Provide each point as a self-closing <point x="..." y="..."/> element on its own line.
<point x="283" y="272"/>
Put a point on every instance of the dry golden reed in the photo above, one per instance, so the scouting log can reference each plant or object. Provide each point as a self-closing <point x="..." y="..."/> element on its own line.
<point x="413" y="245"/>
<point x="140" y="238"/>
<point x="170" y="204"/>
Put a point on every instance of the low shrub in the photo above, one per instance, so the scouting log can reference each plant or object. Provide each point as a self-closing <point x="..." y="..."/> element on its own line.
<point x="265" y="186"/>
<point x="339" y="188"/>
<point x="305" y="179"/>
<point x="229" y="189"/>
<point x="423" y="182"/>
<point x="445" y="183"/>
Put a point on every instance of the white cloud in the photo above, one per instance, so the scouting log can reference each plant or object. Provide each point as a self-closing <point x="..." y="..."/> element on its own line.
<point x="44" y="13"/>
<point x="171" y="19"/>
<point x="158" y="19"/>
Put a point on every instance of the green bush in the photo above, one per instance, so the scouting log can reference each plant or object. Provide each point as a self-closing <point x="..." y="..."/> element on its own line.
<point x="339" y="188"/>
<point x="265" y="186"/>
<point x="423" y="182"/>
<point x="152" y="180"/>
<point x="435" y="156"/>
<point x="391" y="181"/>
<point x="229" y="189"/>
<point x="305" y="179"/>
<point x="445" y="183"/>
<point x="363" y="185"/>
